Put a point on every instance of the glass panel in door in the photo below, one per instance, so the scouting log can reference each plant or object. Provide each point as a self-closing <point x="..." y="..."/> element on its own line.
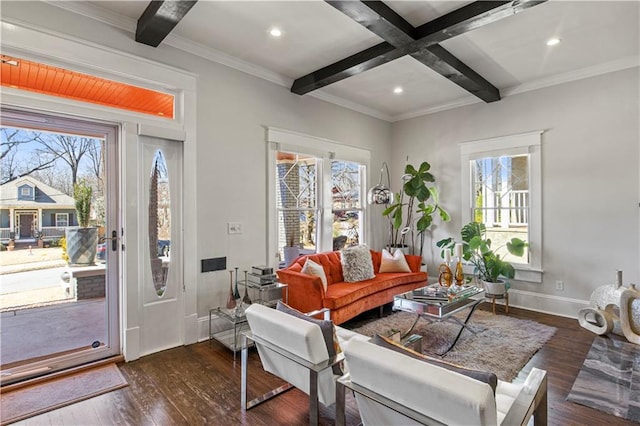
<point x="58" y="263"/>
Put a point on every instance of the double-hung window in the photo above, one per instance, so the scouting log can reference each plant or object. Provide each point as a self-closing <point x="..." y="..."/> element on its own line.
<point x="62" y="220"/>
<point x="315" y="195"/>
<point x="501" y="188"/>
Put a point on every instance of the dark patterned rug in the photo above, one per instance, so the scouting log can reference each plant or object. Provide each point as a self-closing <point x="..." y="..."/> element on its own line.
<point x="609" y="379"/>
<point x="500" y="344"/>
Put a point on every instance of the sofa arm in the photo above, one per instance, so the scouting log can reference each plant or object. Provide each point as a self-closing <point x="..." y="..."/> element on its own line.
<point x="306" y="292"/>
<point x="414" y="262"/>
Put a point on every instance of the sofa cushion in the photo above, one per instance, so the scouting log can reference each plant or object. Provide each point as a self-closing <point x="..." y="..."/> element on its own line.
<point x="312" y="268"/>
<point x="330" y="261"/>
<point x="327" y="328"/>
<point x="395" y="262"/>
<point x="357" y="264"/>
<point x="483" y="376"/>
<point x="343" y="294"/>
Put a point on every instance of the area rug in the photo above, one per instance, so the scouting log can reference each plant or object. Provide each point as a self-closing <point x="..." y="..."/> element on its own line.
<point x="39" y="398"/>
<point x="609" y="379"/>
<point x="500" y="344"/>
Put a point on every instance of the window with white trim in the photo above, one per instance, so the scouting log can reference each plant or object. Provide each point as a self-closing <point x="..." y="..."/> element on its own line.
<point x="315" y="196"/>
<point x="62" y="220"/>
<point x="501" y="187"/>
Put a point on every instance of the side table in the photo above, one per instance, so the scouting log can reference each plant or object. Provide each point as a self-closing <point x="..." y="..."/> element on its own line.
<point x="228" y="328"/>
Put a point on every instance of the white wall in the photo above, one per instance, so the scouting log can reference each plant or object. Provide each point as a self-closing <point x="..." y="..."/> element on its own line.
<point x="230" y="166"/>
<point x="590" y="179"/>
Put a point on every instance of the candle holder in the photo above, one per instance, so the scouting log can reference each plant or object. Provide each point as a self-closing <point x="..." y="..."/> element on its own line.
<point x="459" y="273"/>
<point x="446" y="276"/>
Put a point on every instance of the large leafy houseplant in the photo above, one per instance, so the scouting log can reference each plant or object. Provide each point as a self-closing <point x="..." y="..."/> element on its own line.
<point x="418" y="196"/>
<point x="476" y="249"/>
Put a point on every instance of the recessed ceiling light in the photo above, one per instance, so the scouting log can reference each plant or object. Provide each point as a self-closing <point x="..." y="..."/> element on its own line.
<point x="398" y="90"/>
<point x="275" y="32"/>
<point x="553" y="41"/>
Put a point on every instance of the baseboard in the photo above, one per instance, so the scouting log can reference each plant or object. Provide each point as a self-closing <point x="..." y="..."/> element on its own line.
<point x="545" y="303"/>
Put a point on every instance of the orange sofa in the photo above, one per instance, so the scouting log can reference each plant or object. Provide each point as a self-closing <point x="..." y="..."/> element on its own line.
<point x="345" y="300"/>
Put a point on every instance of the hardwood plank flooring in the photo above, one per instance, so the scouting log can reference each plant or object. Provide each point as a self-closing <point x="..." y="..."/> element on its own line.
<point x="200" y="384"/>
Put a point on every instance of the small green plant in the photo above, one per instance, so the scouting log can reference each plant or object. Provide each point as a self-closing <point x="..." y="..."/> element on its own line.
<point x="63" y="243"/>
<point x="83" y="193"/>
<point x="476" y="249"/>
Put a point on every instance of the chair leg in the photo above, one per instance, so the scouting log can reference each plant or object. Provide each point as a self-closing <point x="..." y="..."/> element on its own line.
<point x="314" y="409"/>
<point x="506" y="300"/>
<point x="340" y="404"/>
<point x="243" y="378"/>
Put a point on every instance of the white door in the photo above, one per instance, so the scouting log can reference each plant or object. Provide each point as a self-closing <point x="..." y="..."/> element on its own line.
<point x="160" y="287"/>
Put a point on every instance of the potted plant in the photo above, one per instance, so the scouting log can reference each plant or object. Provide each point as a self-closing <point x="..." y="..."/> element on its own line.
<point x="489" y="266"/>
<point x="411" y="213"/>
<point x="82" y="241"/>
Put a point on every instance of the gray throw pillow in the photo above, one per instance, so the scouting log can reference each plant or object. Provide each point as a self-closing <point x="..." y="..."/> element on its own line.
<point x="326" y="326"/>
<point x="483" y="376"/>
<point x="356" y="264"/>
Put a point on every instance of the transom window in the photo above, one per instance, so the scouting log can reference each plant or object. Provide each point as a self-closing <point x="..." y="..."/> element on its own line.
<point x="501" y="181"/>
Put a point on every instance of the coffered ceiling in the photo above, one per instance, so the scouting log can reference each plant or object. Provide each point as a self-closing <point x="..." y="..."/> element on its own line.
<point x="468" y="52"/>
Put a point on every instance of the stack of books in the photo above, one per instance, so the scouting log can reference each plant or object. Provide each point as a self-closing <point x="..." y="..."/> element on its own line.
<point x="261" y="276"/>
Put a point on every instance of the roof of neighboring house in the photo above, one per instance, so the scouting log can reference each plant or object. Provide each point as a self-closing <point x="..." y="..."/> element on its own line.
<point x="46" y="196"/>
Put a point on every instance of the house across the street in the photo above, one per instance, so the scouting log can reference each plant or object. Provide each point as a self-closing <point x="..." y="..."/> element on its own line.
<point x="30" y="208"/>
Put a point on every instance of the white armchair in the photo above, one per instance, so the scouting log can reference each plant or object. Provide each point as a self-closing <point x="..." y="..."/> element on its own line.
<point x="393" y="388"/>
<point x="294" y="350"/>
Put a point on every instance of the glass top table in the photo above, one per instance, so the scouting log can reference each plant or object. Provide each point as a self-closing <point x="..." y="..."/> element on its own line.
<point x="437" y="303"/>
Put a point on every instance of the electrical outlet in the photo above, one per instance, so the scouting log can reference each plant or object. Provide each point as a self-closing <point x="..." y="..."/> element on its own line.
<point x="234" y="228"/>
<point x="560" y="285"/>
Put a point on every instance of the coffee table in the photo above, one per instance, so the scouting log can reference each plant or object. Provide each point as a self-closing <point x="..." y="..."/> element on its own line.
<point x="432" y="303"/>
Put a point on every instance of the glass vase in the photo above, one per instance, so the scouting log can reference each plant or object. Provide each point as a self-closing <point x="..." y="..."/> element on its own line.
<point x="231" y="301"/>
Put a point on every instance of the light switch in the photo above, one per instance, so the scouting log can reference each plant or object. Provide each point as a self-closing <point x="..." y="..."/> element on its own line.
<point x="234" y="228"/>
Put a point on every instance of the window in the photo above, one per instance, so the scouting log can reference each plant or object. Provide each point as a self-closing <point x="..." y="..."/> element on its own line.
<point x="62" y="220"/>
<point x="501" y="181"/>
<point x="26" y="191"/>
<point x="315" y="195"/>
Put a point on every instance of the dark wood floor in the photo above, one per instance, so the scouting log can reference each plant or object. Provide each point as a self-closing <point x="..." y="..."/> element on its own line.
<point x="200" y="384"/>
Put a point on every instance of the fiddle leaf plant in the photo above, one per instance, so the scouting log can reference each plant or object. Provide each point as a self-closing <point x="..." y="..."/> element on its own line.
<point x="416" y="197"/>
<point x="476" y="249"/>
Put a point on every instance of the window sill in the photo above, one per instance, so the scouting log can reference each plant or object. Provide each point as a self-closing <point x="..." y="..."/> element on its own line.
<point x="526" y="274"/>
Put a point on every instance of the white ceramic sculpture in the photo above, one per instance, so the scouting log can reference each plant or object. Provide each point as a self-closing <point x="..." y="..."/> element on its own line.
<point x="614" y="309"/>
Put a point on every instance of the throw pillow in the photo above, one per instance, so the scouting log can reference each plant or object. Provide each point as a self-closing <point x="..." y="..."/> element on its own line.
<point x="356" y="264"/>
<point x="483" y="376"/>
<point x="395" y="262"/>
<point x="327" y="328"/>
<point x="312" y="268"/>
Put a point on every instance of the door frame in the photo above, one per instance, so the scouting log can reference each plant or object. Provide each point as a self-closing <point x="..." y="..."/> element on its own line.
<point x="58" y="49"/>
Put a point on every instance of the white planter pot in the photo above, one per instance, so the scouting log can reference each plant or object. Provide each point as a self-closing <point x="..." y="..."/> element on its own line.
<point x="290" y="254"/>
<point x="497" y="289"/>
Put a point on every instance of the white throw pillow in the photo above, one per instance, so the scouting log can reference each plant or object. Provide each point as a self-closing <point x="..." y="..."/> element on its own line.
<point x="356" y="264"/>
<point x="312" y="268"/>
<point x="394" y="263"/>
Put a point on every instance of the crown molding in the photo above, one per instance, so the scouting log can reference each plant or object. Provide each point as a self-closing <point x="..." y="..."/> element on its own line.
<point x="593" y="71"/>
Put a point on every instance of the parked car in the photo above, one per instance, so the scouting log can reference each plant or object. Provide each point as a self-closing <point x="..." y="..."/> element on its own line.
<point x="164" y="246"/>
<point x="101" y="252"/>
